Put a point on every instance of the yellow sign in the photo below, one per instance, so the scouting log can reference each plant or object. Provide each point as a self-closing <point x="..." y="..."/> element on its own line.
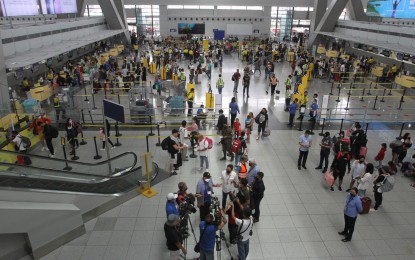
<point x="113" y="52"/>
<point x="321" y="50"/>
<point x="63" y="140"/>
<point x="103" y="57"/>
<point x="206" y="45"/>
<point x="120" y="48"/>
<point x="331" y="53"/>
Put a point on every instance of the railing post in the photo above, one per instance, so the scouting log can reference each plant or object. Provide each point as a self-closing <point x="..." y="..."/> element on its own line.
<point x="347" y="106"/>
<point x="158" y="133"/>
<point x="383" y="96"/>
<point x="338" y="96"/>
<point x="403" y="125"/>
<point x="83" y="119"/>
<point x="350" y="89"/>
<point x="67" y="167"/>
<point x="370" y="87"/>
<point x="93" y="101"/>
<point x="148" y="148"/>
<point x="331" y="90"/>
<point x="151" y="127"/>
<point x="90" y="116"/>
<point x="341" y="125"/>
<point x="83" y="140"/>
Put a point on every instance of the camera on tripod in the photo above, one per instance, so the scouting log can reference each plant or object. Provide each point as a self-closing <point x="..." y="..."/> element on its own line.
<point x="188" y="205"/>
<point x="215" y="210"/>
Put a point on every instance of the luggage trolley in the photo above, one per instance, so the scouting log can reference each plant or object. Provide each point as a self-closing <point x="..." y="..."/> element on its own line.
<point x="140" y="108"/>
<point x="175" y="94"/>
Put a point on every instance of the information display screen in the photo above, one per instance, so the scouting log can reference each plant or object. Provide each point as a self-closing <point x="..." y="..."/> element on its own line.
<point x="59" y="6"/>
<point x="19" y="7"/>
<point x="192" y="28"/>
<point x="404" y="9"/>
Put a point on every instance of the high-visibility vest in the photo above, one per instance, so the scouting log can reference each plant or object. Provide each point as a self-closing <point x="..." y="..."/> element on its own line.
<point x="220" y="82"/>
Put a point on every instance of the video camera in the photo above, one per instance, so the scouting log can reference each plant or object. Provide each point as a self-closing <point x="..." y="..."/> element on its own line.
<point x="188" y="205"/>
<point x="215" y="210"/>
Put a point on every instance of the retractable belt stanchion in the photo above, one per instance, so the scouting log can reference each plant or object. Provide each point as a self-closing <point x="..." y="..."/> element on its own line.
<point x="347" y="106"/>
<point x="119" y="101"/>
<point x="338" y="96"/>
<point x="301" y="124"/>
<point x="367" y="126"/>
<point x="93" y="101"/>
<point x="341" y="125"/>
<point x="158" y="133"/>
<point x="403" y="125"/>
<point x="363" y="94"/>
<point x="67" y="167"/>
<point x="383" y="96"/>
<point x="97" y="156"/>
<point x="148" y="148"/>
<point x="331" y="90"/>
<point x="117" y="134"/>
<point x="374" y="104"/>
<point x="83" y="142"/>
<point x="90" y="116"/>
<point x="151" y="127"/>
<point x="322" y="128"/>
<point x="83" y="119"/>
<point x="370" y="87"/>
<point x="86" y="97"/>
<point x="74" y="157"/>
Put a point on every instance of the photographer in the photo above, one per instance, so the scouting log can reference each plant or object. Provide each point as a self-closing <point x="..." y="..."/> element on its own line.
<point x="257" y="193"/>
<point x="207" y="236"/>
<point x="171" y="206"/>
<point x="204" y="194"/>
<point x="173" y="236"/>
<point x="244" y="230"/>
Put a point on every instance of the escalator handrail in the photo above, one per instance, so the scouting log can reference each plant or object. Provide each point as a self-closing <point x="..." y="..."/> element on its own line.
<point x="72" y="162"/>
<point x="70" y="172"/>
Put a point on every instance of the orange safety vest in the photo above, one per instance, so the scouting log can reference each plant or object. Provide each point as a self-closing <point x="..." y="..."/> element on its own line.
<point x="243" y="173"/>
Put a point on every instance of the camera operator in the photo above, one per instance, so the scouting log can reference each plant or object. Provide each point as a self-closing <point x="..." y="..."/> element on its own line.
<point x="243" y="193"/>
<point x="171" y="205"/>
<point x="244" y="230"/>
<point x="232" y="227"/>
<point x="207" y="236"/>
<point x="204" y="194"/>
<point x="174" y="238"/>
<point x="182" y="193"/>
<point x="228" y="179"/>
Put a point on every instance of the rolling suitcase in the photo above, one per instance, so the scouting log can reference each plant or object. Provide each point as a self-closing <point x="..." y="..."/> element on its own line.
<point x="30" y="106"/>
<point x="363" y="151"/>
<point x="366" y="203"/>
<point x="336" y="77"/>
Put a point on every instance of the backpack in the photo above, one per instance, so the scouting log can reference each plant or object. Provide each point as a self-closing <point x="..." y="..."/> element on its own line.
<point x="236" y="146"/>
<point x="165" y="143"/>
<point x="210" y="142"/>
<point x="247" y="122"/>
<point x="388" y="184"/>
<point x="26" y="142"/>
<point x="233" y="79"/>
<point x="257" y="119"/>
<point x="54" y="132"/>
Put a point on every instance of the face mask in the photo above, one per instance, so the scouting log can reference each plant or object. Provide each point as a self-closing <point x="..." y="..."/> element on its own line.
<point x="227" y="171"/>
<point x="353" y="195"/>
<point x="207" y="180"/>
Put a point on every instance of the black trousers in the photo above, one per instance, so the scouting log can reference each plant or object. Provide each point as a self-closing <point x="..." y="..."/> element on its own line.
<point x="287" y="103"/>
<point x="261" y="127"/>
<point x="204" y="210"/>
<point x="224" y="197"/>
<point x="247" y="90"/>
<point x="273" y="89"/>
<point x="349" y="223"/>
<point x="50" y="145"/>
<point x="190" y="105"/>
<point x="256" y="203"/>
<point x="302" y="158"/>
<point x="324" y="156"/>
<point x="291" y="119"/>
<point x="233" y="117"/>
<point x="378" y="198"/>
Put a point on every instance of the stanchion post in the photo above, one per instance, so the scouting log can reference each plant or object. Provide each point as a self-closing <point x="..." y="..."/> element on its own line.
<point x="383" y="96"/>
<point x="341" y="125"/>
<point x="151" y="89"/>
<point x="151" y="127"/>
<point x="105" y="90"/>
<point x="322" y="128"/>
<point x="83" y="119"/>
<point x="350" y="89"/>
<point x="148" y="148"/>
<point x="367" y="126"/>
<point x="86" y="97"/>
<point x="90" y="116"/>
<point x="363" y="94"/>
<point x="97" y="156"/>
<point x="83" y="142"/>
<point x="93" y="101"/>
<point x="400" y="133"/>
<point x="119" y="101"/>
<point x="331" y="90"/>
<point x="390" y="90"/>
<point x="338" y="96"/>
<point x="313" y="123"/>
<point x="347" y="105"/>
<point x="400" y="103"/>
<point x="370" y="87"/>
<point x="67" y="167"/>
<point x="117" y="129"/>
<point x="158" y="133"/>
<point x="374" y="104"/>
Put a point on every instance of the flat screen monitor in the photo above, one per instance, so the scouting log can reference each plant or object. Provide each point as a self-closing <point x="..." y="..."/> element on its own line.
<point x="399" y="56"/>
<point x="49" y="62"/>
<point x="19" y="73"/>
<point x="59" y="6"/>
<point x="192" y="28"/>
<point x="19" y="7"/>
<point x="60" y="57"/>
<point x="35" y="67"/>
<point x="403" y="9"/>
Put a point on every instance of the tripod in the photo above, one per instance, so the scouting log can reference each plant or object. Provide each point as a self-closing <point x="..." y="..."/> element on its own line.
<point x="218" y="240"/>
<point x="186" y="229"/>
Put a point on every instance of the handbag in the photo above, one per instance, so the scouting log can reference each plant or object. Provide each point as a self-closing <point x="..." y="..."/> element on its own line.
<point x="197" y="246"/>
<point x="329" y="178"/>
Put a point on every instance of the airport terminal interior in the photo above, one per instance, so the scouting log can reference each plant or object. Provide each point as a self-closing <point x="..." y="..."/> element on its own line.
<point x="93" y="95"/>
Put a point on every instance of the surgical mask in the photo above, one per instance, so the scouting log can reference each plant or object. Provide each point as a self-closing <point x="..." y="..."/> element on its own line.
<point x="228" y="171"/>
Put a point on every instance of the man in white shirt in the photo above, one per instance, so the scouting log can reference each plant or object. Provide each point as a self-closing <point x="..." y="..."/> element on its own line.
<point x="203" y="152"/>
<point x="229" y="178"/>
<point x="183" y="139"/>
<point x="244" y="231"/>
<point x="305" y="144"/>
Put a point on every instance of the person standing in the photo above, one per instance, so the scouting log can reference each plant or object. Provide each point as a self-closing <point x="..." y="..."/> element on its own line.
<point x="273" y="82"/>
<point x="38" y="130"/>
<point x="207" y="236"/>
<point x="325" y="147"/>
<point x="244" y="229"/>
<point x="246" y="81"/>
<point x="220" y="84"/>
<point x="365" y="180"/>
<point x="226" y="142"/>
<point x="253" y="171"/>
<point x="190" y="98"/>
<point x="204" y="191"/>
<point x="302" y="104"/>
<point x="203" y="152"/>
<point x="351" y="209"/>
<point x="257" y="193"/>
<point x="171" y="205"/>
<point x="357" y="170"/>
<point x="340" y="162"/>
<point x="305" y="142"/>
<point x="183" y="139"/>
<point x="173" y="149"/>
<point x="249" y="123"/>
<point x="174" y="237"/>
<point x="235" y="78"/>
<point x="292" y="110"/>
<point x="221" y="122"/>
<point x="288" y="94"/>
<point x="233" y="110"/>
<point x="262" y="122"/>
<point x="377" y="190"/>
<point x="49" y="132"/>
<point x="229" y="177"/>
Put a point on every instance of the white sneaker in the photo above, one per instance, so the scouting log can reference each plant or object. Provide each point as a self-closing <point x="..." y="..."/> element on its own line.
<point x="102" y="149"/>
<point x="207" y="170"/>
<point x="113" y="147"/>
<point x="51" y="155"/>
<point x="201" y="169"/>
<point x="372" y="210"/>
<point x="44" y="149"/>
<point x="257" y="138"/>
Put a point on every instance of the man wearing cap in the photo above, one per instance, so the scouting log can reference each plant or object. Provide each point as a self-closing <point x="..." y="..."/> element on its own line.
<point x="253" y="170"/>
<point x="173" y="236"/>
<point x="204" y="194"/>
<point x="326" y="144"/>
<point x="171" y="205"/>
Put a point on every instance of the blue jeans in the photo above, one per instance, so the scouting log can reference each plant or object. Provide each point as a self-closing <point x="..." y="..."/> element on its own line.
<point x="243" y="249"/>
<point x="204" y="158"/>
<point x="206" y="255"/>
<point x="237" y="158"/>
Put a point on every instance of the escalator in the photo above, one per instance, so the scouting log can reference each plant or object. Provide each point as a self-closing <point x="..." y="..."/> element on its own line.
<point x="115" y="176"/>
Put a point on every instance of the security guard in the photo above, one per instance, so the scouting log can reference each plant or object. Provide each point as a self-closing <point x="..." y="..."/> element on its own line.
<point x="302" y="104"/>
<point x="190" y="98"/>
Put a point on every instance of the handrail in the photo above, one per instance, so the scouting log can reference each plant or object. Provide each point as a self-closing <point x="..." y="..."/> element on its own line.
<point x="74" y="162"/>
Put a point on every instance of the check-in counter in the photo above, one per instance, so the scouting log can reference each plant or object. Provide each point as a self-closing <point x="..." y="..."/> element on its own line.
<point x="332" y="54"/>
<point x="377" y="71"/>
<point x="41" y="93"/>
<point x="405" y="81"/>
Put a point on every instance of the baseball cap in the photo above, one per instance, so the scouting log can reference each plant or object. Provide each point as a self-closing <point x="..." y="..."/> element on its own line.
<point x="207" y="176"/>
<point x="252" y="160"/>
<point x="171" y="196"/>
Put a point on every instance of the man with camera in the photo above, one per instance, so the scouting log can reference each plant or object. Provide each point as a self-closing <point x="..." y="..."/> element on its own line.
<point x="244" y="230"/>
<point x="204" y="194"/>
<point x="208" y="229"/>
<point x="174" y="238"/>
<point x="229" y="178"/>
<point x="171" y="205"/>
